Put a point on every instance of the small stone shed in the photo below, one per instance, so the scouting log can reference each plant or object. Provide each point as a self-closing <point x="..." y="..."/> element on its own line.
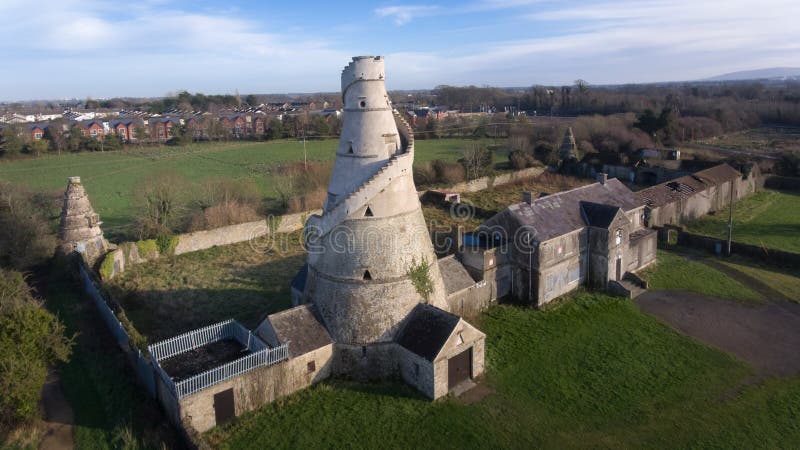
<point x="438" y="351"/>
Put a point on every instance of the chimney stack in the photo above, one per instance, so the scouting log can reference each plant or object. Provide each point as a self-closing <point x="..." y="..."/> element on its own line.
<point x="527" y="197"/>
<point x="602" y="178"/>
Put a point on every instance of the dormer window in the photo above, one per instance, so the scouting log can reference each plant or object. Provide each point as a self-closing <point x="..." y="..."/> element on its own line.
<point x="618" y="237"/>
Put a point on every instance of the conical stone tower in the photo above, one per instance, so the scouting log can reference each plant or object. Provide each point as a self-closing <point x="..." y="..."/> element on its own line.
<point x="370" y="255"/>
<point x="80" y="225"/>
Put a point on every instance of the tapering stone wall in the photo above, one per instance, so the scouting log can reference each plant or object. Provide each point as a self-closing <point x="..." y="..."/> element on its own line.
<point x="372" y="232"/>
<point x="80" y="225"/>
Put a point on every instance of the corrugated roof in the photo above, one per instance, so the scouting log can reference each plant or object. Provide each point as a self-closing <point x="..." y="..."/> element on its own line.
<point x="687" y="186"/>
<point x="427" y="330"/>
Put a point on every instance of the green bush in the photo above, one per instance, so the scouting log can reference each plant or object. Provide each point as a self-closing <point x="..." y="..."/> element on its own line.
<point x="107" y="266"/>
<point x="421" y="278"/>
<point x="148" y="249"/>
<point x="166" y="244"/>
<point x="31" y="338"/>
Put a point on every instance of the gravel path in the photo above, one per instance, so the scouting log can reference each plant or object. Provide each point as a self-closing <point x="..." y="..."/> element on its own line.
<point x="767" y="336"/>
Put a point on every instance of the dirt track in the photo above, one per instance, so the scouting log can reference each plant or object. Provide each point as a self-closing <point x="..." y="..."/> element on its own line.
<point x="767" y="336"/>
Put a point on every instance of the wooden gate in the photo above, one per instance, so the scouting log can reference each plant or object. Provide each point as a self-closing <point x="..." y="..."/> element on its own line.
<point x="459" y="368"/>
<point x="224" y="408"/>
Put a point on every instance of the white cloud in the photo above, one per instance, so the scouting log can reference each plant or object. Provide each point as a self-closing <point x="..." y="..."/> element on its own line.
<point x="404" y="14"/>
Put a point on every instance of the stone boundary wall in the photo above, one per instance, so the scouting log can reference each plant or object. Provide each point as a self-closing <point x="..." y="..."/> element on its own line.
<point x="766" y="254"/>
<point x="482" y="183"/>
<point x="232" y="234"/>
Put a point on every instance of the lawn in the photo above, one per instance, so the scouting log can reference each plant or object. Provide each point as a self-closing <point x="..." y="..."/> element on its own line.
<point x="766" y="218"/>
<point x="244" y="281"/>
<point x="590" y="371"/>
<point x="673" y="271"/>
<point x="111" y="177"/>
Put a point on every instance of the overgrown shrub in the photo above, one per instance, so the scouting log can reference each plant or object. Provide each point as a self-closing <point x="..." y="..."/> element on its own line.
<point x="448" y="173"/>
<point x="421" y="278"/>
<point x="222" y="215"/>
<point x="26" y="236"/>
<point x="162" y="204"/>
<point x="147" y="248"/>
<point x="107" y="266"/>
<point x="303" y="186"/>
<point x="31" y="339"/>
<point x="424" y="174"/>
<point x="166" y="244"/>
<point x="521" y="159"/>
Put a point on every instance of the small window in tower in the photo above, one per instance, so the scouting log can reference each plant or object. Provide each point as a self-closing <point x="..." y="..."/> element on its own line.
<point x="362" y="104"/>
<point x="367" y="275"/>
<point x="618" y="237"/>
<point x="350" y="150"/>
<point x="363" y="351"/>
<point x="312" y="366"/>
<point x="368" y="212"/>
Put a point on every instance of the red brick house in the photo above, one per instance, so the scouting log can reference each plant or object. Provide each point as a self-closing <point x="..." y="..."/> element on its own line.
<point x="161" y="128"/>
<point x="259" y="127"/>
<point x="126" y="129"/>
<point x="197" y="127"/>
<point x="92" y="128"/>
<point x="236" y="125"/>
<point x="37" y="132"/>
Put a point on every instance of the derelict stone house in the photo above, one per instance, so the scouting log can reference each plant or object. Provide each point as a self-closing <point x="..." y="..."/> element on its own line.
<point x="546" y="247"/>
<point x="693" y="196"/>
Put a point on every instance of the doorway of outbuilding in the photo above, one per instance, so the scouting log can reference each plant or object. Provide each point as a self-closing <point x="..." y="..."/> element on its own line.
<point x="459" y="369"/>
<point x="224" y="408"/>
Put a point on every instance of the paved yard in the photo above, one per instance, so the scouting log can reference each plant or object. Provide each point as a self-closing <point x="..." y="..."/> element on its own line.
<point x="767" y="335"/>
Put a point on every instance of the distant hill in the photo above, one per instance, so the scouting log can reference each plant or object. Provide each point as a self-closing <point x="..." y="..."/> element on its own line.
<point x="773" y="73"/>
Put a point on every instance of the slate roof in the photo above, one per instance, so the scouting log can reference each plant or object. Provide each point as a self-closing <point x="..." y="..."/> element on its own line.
<point x="597" y="215"/>
<point x="427" y="330"/>
<point x="300" y="327"/>
<point x="561" y="213"/>
<point x="454" y="275"/>
<point x="687" y="186"/>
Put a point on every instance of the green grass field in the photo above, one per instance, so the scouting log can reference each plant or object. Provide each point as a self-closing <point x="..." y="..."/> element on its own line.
<point x="111" y="177"/>
<point x="673" y="271"/>
<point x="766" y="218"/>
<point x="591" y="371"/>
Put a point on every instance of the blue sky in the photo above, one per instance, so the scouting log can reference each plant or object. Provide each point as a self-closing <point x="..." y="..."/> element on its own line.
<point x="100" y="48"/>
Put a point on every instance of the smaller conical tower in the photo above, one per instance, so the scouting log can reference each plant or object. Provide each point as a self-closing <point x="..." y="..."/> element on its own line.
<point x="568" y="148"/>
<point x="80" y="226"/>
